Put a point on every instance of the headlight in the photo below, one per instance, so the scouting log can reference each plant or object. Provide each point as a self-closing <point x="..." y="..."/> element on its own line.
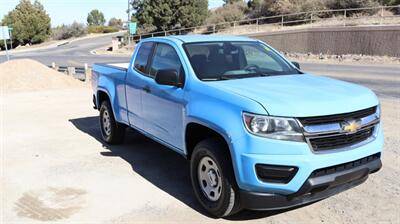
<point x="273" y="127"/>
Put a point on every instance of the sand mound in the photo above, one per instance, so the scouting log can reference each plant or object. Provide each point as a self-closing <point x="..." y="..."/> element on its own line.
<point x="29" y="75"/>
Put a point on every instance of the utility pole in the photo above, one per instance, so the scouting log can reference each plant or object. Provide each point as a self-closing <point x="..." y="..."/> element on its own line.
<point x="127" y="22"/>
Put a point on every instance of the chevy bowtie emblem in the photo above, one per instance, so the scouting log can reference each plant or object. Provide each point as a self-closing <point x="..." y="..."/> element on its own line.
<point x="351" y="126"/>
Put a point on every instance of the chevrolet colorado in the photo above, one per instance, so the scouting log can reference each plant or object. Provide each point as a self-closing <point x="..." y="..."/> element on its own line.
<point x="260" y="134"/>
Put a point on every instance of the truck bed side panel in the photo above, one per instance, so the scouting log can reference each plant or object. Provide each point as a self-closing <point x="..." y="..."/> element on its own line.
<point x="111" y="80"/>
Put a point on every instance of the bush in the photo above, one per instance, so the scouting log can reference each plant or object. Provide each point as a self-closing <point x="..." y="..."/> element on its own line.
<point x="67" y="31"/>
<point x="102" y="29"/>
<point x="227" y="13"/>
<point x="396" y="10"/>
<point x="279" y="7"/>
<point x="115" y="23"/>
<point x="345" y="4"/>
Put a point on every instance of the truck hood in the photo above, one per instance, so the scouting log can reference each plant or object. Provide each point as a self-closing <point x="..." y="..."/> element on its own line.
<point x="301" y="95"/>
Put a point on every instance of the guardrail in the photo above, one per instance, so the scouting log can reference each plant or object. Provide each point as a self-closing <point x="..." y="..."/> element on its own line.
<point x="344" y="15"/>
<point x="80" y="73"/>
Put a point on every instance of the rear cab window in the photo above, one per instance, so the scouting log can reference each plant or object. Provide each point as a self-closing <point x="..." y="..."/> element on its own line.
<point x="143" y="56"/>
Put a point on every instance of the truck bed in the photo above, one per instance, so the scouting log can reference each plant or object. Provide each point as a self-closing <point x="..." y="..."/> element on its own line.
<point x="108" y="74"/>
<point x="120" y="66"/>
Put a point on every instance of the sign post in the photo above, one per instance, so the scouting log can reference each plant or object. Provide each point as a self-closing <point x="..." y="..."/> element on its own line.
<point x="10" y="29"/>
<point x="132" y="29"/>
<point x="5" y="35"/>
<point x="127" y="22"/>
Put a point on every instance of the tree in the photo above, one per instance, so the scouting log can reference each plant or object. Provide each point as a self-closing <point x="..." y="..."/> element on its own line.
<point x="96" y="18"/>
<point x="115" y="22"/>
<point x="30" y="22"/>
<point x="169" y="14"/>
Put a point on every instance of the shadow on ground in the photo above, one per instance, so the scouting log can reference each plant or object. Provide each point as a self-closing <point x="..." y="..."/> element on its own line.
<point x="160" y="166"/>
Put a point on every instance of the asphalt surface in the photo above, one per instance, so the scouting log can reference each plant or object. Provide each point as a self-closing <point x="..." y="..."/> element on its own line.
<point x="383" y="80"/>
<point x="76" y="53"/>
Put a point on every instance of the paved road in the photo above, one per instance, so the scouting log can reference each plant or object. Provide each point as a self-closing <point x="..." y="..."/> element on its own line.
<point x="384" y="80"/>
<point x="76" y="53"/>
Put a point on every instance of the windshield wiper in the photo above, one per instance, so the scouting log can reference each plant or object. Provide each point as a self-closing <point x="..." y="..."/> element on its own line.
<point x="241" y="76"/>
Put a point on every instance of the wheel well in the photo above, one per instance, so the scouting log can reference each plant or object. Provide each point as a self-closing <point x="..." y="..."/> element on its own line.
<point x="101" y="96"/>
<point x="196" y="132"/>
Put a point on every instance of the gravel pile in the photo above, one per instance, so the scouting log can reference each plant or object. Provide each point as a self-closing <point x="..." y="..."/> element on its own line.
<point x="29" y="75"/>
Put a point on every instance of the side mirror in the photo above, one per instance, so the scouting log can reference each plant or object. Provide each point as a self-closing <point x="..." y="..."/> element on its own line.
<point x="168" y="77"/>
<point x="295" y="63"/>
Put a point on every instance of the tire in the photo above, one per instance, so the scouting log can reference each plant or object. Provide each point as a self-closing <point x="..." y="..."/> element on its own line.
<point x="226" y="202"/>
<point x="112" y="132"/>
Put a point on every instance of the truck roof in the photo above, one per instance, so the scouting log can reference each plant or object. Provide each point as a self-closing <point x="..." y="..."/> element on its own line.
<point x="201" y="38"/>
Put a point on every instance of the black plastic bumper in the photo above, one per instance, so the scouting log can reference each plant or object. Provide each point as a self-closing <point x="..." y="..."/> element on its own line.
<point x="317" y="187"/>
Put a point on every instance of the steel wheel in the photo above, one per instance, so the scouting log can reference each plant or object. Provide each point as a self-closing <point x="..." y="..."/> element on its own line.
<point x="209" y="178"/>
<point x="106" y="123"/>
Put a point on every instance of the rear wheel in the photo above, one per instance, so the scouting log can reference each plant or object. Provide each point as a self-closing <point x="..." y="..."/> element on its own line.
<point x="112" y="132"/>
<point x="212" y="178"/>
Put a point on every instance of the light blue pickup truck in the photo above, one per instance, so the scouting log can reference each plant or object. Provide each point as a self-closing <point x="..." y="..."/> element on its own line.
<point x="260" y="134"/>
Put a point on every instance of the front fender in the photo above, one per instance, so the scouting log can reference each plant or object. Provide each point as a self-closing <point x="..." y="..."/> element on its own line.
<point x="222" y="113"/>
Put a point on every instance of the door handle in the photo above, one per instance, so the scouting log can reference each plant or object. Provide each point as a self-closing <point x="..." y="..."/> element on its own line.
<point x="147" y="89"/>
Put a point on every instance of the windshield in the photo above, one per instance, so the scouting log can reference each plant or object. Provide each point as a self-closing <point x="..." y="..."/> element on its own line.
<point x="232" y="60"/>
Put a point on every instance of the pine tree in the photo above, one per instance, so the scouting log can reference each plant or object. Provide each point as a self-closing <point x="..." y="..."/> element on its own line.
<point x="153" y="15"/>
<point x="96" y="18"/>
<point x="30" y="23"/>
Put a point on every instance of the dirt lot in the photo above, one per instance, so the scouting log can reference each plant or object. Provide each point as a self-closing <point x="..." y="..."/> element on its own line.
<point x="55" y="169"/>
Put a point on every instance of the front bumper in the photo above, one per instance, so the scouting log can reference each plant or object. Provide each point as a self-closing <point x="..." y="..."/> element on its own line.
<point x="319" y="185"/>
<point x="252" y="150"/>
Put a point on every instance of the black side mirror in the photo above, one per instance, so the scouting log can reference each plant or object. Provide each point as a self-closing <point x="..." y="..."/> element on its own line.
<point x="168" y="77"/>
<point x="295" y="63"/>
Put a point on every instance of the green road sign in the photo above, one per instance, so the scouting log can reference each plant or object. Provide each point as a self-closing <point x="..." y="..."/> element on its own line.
<point x="132" y="27"/>
<point x="10" y="28"/>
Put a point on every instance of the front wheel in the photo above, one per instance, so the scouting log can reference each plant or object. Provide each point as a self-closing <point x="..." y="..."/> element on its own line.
<point x="213" y="179"/>
<point x="112" y="132"/>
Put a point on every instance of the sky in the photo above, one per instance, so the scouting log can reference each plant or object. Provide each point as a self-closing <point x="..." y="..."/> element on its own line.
<point x="68" y="11"/>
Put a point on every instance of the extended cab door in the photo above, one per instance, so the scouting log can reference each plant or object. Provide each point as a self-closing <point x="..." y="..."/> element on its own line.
<point x="163" y="106"/>
<point x="135" y="84"/>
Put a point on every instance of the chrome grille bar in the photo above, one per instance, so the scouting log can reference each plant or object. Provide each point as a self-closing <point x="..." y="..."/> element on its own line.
<point x="337" y="138"/>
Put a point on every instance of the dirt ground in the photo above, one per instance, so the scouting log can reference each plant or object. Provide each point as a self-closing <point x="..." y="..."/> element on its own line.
<point x="55" y="169"/>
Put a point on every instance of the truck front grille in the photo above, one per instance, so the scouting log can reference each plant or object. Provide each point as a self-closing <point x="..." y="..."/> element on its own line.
<point x="324" y="133"/>
<point x="340" y="140"/>
<point x="337" y="117"/>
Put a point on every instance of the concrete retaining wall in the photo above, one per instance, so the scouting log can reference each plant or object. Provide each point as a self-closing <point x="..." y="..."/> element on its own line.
<point x="367" y="40"/>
